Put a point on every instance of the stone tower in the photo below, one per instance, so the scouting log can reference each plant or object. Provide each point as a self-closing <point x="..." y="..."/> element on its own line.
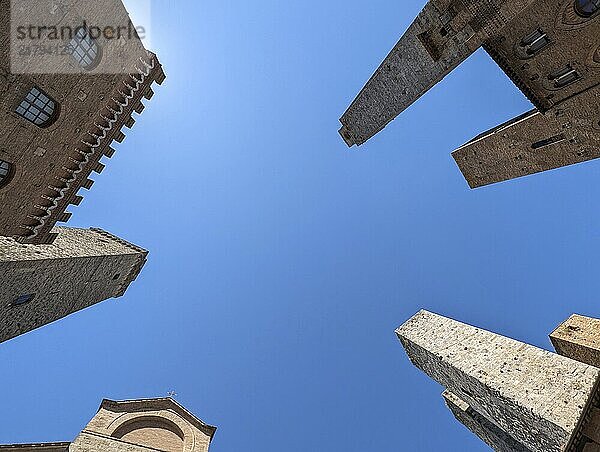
<point x="40" y="284"/>
<point x="135" y="426"/>
<point x="60" y="112"/>
<point x="514" y="396"/>
<point x="549" y="49"/>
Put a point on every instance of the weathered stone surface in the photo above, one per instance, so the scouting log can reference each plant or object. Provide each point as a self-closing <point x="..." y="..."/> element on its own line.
<point x="578" y="338"/>
<point x="136" y="426"/>
<point x="489" y="433"/>
<point x="536" y="397"/>
<point x="81" y="268"/>
<point x="51" y="164"/>
<point x="444" y="34"/>
<point x="548" y="50"/>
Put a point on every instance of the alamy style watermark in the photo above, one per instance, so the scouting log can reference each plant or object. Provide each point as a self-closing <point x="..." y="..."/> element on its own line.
<point x="66" y="36"/>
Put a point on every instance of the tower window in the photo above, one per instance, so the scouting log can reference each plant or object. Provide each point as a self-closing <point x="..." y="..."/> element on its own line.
<point x="22" y="299"/>
<point x="535" y="42"/>
<point x="38" y="108"/>
<point x="85" y="49"/>
<point x="587" y="8"/>
<point x="6" y="171"/>
<point x="565" y="76"/>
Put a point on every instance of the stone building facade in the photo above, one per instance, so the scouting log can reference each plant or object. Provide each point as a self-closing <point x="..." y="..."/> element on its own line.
<point x="40" y="284"/>
<point x="549" y="49"/>
<point x="55" y="128"/>
<point x="514" y="396"/>
<point x="57" y="121"/>
<point x="135" y="426"/>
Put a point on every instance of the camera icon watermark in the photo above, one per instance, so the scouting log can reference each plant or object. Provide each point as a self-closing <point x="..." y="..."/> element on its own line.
<point x="78" y="36"/>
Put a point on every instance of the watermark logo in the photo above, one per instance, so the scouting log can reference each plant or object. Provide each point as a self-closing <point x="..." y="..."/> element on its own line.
<point x="78" y="36"/>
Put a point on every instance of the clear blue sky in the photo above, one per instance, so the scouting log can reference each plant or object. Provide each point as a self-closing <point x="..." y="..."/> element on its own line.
<point x="281" y="262"/>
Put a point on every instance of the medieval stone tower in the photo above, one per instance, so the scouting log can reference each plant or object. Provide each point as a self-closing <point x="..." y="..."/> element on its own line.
<point x="514" y="396"/>
<point x="135" y="426"/>
<point x="59" y="115"/>
<point x="549" y="49"/>
<point x="44" y="283"/>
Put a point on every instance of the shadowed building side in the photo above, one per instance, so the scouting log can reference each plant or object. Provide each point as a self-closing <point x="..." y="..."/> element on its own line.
<point x="40" y="284"/>
<point x="489" y="433"/>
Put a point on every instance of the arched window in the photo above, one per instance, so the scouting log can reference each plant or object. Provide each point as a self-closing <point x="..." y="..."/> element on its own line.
<point x="85" y="49"/>
<point x="587" y="8"/>
<point x="6" y="172"/>
<point x="38" y="108"/>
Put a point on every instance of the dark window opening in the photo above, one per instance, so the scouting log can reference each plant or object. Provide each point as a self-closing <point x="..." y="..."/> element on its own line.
<point x="564" y="77"/>
<point x="587" y="8"/>
<point x="549" y="141"/>
<point x="38" y="108"/>
<point x="6" y="172"/>
<point x="23" y="299"/>
<point x="535" y="42"/>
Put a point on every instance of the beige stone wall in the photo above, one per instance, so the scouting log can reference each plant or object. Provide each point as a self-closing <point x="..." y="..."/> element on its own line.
<point x="81" y="268"/>
<point x="579" y="338"/>
<point x="135" y="426"/>
<point x="536" y="397"/>
<point x="153" y="424"/>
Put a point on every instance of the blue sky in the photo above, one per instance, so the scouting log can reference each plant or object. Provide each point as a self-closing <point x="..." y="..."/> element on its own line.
<point x="281" y="262"/>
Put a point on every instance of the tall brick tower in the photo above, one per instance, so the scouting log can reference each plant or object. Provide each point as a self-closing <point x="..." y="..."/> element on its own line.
<point x="548" y="48"/>
<point x="514" y="396"/>
<point x="135" y="426"/>
<point x="64" y="98"/>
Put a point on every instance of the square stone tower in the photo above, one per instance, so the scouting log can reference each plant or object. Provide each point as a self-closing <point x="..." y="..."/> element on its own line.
<point x="40" y="284"/>
<point x="514" y="396"/>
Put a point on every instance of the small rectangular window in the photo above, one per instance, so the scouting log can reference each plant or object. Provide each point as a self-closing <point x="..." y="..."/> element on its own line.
<point x="535" y="42"/>
<point x="565" y="76"/>
<point x="549" y="141"/>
